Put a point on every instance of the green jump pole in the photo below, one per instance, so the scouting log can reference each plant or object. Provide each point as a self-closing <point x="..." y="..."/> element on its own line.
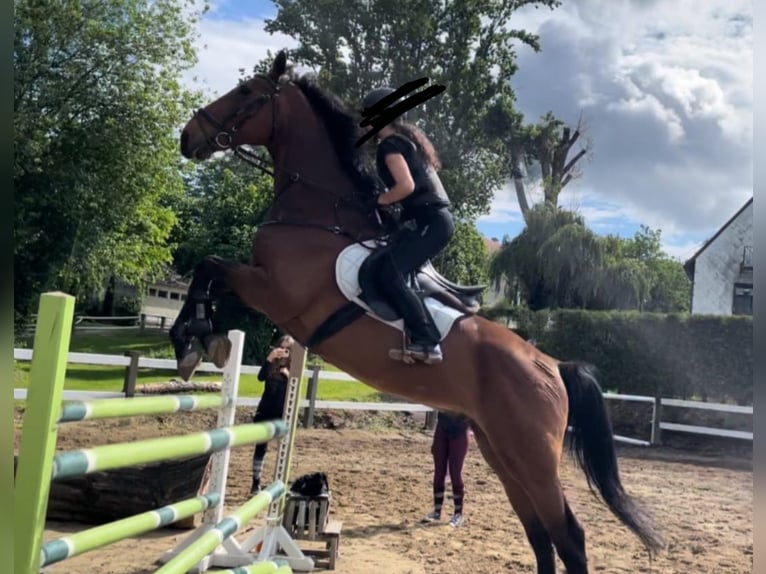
<point x="120" y="455"/>
<point x="269" y="567"/>
<point x="87" y="540"/>
<point x="39" y="431"/>
<point x="211" y="539"/>
<point x="112" y="408"/>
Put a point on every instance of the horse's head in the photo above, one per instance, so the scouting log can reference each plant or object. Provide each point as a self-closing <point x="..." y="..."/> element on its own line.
<point x="311" y="137"/>
<point x="245" y="115"/>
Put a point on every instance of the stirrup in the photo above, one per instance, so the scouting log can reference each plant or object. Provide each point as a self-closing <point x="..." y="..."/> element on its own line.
<point x="402" y="355"/>
<point x="415" y="353"/>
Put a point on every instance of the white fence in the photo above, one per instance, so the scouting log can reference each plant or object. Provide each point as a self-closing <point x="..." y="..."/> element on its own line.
<point x="85" y="323"/>
<point x="132" y="363"/>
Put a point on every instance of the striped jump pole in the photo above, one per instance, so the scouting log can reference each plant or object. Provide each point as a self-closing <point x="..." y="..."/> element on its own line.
<point x="211" y="539"/>
<point x="120" y="455"/>
<point x="73" y="411"/>
<point x="87" y="540"/>
<point x="270" y="567"/>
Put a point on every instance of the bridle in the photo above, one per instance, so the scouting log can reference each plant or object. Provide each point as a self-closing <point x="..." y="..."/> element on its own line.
<point x="223" y="138"/>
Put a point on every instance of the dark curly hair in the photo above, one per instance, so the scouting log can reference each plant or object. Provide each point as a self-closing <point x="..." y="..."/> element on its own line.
<point x="424" y="145"/>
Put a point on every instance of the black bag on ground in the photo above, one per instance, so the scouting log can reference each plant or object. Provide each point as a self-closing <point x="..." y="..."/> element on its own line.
<point x="312" y="484"/>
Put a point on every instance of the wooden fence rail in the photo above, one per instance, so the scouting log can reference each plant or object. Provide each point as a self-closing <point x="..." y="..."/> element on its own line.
<point x="132" y="361"/>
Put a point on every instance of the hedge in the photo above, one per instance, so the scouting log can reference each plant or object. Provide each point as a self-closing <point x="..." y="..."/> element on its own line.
<point x="675" y="356"/>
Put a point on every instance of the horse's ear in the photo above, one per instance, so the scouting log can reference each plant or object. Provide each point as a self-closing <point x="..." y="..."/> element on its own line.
<point x="279" y="66"/>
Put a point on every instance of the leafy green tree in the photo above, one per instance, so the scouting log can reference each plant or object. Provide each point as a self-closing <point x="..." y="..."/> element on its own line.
<point x="557" y="262"/>
<point x="97" y="106"/>
<point x="225" y="200"/>
<point x="664" y="286"/>
<point x="467" y="46"/>
<point x="465" y="259"/>
<point x="554" y="261"/>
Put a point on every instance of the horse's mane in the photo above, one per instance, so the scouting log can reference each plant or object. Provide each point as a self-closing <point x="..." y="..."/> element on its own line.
<point x="343" y="131"/>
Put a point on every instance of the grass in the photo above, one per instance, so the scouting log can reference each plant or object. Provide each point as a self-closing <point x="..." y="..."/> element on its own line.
<point x="155" y="344"/>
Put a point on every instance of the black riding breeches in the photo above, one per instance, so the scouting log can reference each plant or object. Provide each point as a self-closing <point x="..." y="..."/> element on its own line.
<point x="409" y="252"/>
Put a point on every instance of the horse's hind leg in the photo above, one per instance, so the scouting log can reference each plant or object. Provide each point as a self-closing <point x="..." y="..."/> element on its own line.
<point x="565" y="530"/>
<point x="536" y="534"/>
<point x="539" y="478"/>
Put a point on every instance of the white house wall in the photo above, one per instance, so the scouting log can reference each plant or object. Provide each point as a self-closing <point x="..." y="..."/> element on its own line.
<point x="161" y="307"/>
<point x="718" y="266"/>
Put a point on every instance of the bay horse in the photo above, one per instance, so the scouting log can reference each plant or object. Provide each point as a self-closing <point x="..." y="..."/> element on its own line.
<point x="519" y="400"/>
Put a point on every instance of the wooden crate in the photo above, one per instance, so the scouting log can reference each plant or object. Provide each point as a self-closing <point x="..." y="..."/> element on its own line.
<point x="308" y="518"/>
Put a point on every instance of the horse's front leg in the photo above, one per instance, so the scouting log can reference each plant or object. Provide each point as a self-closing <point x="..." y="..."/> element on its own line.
<point x="194" y="324"/>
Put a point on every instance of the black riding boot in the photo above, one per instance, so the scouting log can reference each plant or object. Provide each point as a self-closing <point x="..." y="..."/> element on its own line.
<point x="423" y="336"/>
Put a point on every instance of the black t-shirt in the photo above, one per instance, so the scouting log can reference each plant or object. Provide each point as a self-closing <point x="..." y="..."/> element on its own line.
<point x="428" y="193"/>
<point x="275" y="388"/>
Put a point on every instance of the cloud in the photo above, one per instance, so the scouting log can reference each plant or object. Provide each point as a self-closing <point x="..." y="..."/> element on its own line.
<point x="504" y="208"/>
<point x="227" y="45"/>
<point x="665" y="89"/>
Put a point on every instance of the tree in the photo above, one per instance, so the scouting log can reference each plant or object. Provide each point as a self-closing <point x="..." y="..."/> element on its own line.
<point x="543" y="147"/>
<point x="662" y="285"/>
<point x="224" y="201"/>
<point x="557" y="262"/>
<point x="550" y="142"/>
<point x="97" y="102"/>
<point x="464" y="260"/>
<point x="554" y="261"/>
<point x="467" y="46"/>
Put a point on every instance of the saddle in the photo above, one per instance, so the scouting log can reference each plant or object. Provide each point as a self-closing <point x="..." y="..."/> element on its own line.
<point x="446" y="301"/>
<point x="426" y="282"/>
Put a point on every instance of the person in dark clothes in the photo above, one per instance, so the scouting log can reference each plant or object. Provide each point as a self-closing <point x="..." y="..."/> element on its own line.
<point x="275" y="373"/>
<point x="449" y="448"/>
<point x="408" y="165"/>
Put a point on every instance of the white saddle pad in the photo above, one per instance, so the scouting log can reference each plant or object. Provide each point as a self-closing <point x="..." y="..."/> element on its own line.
<point x="347" y="276"/>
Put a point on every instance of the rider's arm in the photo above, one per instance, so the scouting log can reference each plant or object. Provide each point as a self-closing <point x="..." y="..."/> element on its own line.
<point x="266" y="367"/>
<point x="404" y="184"/>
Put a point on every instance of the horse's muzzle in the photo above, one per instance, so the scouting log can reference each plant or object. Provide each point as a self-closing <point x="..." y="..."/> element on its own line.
<point x="190" y="150"/>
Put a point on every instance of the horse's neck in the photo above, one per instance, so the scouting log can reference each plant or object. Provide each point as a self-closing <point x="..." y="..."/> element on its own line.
<point x="323" y="193"/>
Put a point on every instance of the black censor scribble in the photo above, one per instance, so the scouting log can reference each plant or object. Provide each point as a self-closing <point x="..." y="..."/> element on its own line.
<point x="379" y="115"/>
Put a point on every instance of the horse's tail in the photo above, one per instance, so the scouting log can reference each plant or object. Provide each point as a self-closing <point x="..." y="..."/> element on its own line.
<point x="592" y="446"/>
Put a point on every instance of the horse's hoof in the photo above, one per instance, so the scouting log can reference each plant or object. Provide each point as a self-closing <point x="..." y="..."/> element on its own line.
<point x="188" y="364"/>
<point x="218" y="350"/>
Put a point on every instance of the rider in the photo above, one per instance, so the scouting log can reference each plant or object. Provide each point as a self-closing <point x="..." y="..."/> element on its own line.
<point x="408" y="164"/>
